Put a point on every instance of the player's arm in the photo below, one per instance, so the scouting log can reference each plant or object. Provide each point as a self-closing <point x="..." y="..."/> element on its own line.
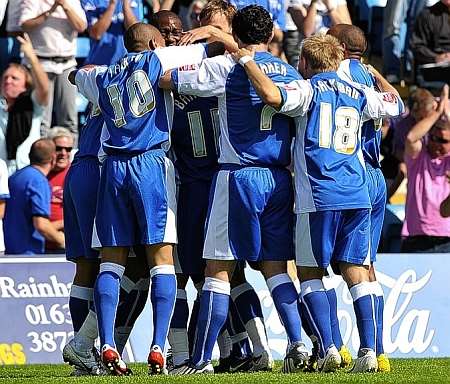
<point x="204" y="80"/>
<point x="45" y="227"/>
<point x="413" y="143"/>
<point x="290" y="99"/>
<point x="85" y="81"/>
<point x="212" y="35"/>
<point x="266" y="89"/>
<point x="382" y="84"/>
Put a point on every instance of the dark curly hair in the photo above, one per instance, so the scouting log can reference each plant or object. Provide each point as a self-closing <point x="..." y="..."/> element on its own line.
<point x="253" y="25"/>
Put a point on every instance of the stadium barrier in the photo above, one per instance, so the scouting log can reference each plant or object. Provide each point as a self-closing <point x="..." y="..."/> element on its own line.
<point x="35" y="322"/>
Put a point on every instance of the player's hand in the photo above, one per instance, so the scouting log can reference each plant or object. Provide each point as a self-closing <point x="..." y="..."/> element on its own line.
<point x="201" y="33"/>
<point x="25" y="45"/>
<point x="241" y="53"/>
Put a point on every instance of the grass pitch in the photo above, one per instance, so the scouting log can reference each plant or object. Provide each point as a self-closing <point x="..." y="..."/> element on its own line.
<point x="404" y="371"/>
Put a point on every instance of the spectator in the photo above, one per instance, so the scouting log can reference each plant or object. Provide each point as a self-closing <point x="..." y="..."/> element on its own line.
<point x="431" y="41"/>
<point x="26" y="224"/>
<point x="295" y="17"/>
<point x="53" y="26"/>
<point x="23" y="97"/>
<point x="427" y="157"/>
<point x="107" y="22"/>
<point x="322" y="14"/>
<point x="63" y="140"/>
<point x="398" y="14"/>
<point x="420" y="104"/>
<point x="4" y="195"/>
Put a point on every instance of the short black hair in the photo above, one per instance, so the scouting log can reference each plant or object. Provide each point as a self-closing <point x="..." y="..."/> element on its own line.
<point x="253" y="25"/>
<point x="41" y="152"/>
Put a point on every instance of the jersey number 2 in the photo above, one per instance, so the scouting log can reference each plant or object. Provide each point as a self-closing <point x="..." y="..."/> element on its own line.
<point x="140" y="96"/>
<point x="346" y="121"/>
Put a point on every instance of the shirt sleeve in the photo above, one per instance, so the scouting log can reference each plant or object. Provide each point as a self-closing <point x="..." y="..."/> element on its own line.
<point x="40" y="197"/>
<point x="174" y="57"/>
<point x="207" y="79"/>
<point x="4" y="190"/>
<point x="381" y="104"/>
<point x="85" y="80"/>
<point x="297" y="96"/>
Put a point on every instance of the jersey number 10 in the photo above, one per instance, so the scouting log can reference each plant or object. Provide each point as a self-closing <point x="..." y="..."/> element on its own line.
<point x="140" y="96"/>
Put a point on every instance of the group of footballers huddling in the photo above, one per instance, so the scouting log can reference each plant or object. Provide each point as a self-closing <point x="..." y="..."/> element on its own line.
<point x="183" y="171"/>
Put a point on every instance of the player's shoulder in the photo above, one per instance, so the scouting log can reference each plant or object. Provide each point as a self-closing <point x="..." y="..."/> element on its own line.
<point x="353" y="70"/>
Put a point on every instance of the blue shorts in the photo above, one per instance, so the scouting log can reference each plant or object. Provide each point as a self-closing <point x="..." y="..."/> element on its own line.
<point x="377" y="192"/>
<point x="250" y="215"/>
<point x="137" y="204"/>
<point x="192" y="209"/>
<point x="80" y="198"/>
<point x="332" y="236"/>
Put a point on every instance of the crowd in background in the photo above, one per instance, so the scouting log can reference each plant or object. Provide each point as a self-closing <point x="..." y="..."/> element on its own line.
<point x="42" y="41"/>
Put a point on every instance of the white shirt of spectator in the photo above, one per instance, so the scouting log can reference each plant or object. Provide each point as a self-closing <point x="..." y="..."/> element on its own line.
<point x="23" y="149"/>
<point x="3" y="4"/>
<point x="322" y="12"/>
<point x="4" y="192"/>
<point x="56" y="37"/>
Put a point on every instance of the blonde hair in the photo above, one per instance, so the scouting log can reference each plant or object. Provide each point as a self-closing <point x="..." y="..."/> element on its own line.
<point x="322" y="53"/>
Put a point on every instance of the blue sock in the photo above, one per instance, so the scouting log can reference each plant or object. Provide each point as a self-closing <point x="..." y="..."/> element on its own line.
<point x="106" y="297"/>
<point x="364" y="303"/>
<point x="336" y="332"/>
<point x="132" y="300"/>
<point x="306" y="322"/>
<point x="236" y="329"/>
<point x="379" y="316"/>
<point x="213" y="312"/>
<point x="79" y="302"/>
<point x="317" y="309"/>
<point x="192" y="328"/>
<point x="163" y="295"/>
<point x="285" y="298"/>
<point x="250" y="312"/>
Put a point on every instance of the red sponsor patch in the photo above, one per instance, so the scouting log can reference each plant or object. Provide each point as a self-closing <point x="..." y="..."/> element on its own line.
<point x="389" y="97"/>
<point x="289" y="88"/>
<point x="188" y="67"/>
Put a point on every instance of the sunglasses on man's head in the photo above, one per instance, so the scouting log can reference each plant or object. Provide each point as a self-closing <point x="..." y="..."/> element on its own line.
<point x="59" y="148"/>
<point x="438" y="139"/>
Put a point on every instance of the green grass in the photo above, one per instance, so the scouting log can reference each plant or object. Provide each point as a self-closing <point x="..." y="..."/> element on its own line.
<point x="404" y="371"/>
